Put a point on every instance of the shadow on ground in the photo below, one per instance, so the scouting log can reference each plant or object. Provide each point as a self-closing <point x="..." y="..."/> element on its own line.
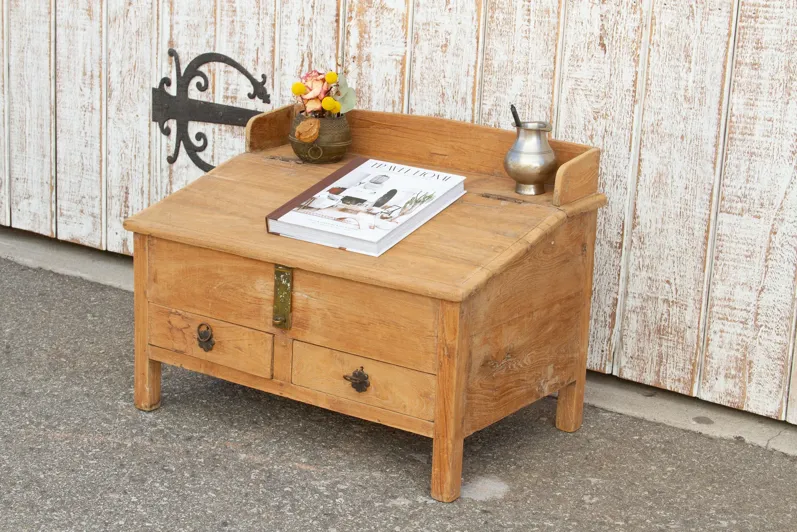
<point x="76" y="455"/>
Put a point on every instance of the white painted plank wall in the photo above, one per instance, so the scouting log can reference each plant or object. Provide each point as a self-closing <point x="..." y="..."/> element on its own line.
<point x="695" y="258"/>
<point x="751" y="307"/>
<point x="520" y="51"/>
<point x="603" y="41"/>
<point x="375" y="52"/>
<point x="244" y="32"/>
<point x="80" y="81"/>
<point x="131" y="149"/>
<point x="5" y="188"/>
<point x="668" y="230"/>
<point x="308" y="37"/>
<point x="31" y="109"/>
<point x="191" y="31"/>
<point x="444" y="57"/>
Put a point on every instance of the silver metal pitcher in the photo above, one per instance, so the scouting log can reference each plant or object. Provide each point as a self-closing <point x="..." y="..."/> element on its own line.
<point x="531" y="160"/>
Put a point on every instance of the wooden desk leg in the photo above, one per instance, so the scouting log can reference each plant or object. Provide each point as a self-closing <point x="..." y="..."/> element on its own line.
<point x="452" y="365"/>
<point x="147" y="387"/>
<point x="570" y="405"/>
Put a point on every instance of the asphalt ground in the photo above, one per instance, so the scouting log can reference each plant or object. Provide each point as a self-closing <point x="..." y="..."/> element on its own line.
<point x="76" y="455"/>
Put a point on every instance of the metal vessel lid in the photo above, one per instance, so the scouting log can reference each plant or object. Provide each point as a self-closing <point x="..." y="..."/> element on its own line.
<point x="536" y="126"/>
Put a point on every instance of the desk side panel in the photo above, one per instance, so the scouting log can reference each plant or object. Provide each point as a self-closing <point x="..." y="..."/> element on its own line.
<point x="525" y="337"/>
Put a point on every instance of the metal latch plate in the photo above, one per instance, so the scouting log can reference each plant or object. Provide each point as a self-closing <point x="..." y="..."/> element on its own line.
<point x="283" y="288"/>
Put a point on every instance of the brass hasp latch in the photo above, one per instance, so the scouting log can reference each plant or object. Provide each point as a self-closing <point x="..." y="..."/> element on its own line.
<point x="283" y="288"/>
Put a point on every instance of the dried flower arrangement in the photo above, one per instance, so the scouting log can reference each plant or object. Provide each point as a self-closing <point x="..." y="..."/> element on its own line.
<point x="324" y="95"/>
<point x="320" y="132"/>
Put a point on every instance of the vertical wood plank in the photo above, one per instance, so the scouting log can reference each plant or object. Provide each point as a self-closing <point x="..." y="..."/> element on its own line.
<point x="147" y="372"/>
<point x="602" y="42"/>
<point x="519" y="60"/>
<point x="375" y="52"/>
<point x="453" y="365"/>
<point x="31" y="115"/>
<point x="570" y="401"/>
<point x="130" y="148"/>
<point x="308" y="39"/>
<point x="669" y="227"/>
<point x="254" y="19"/>
<point x="445" y="48"/>
<point x="191" y="31"/>
<point x="5" y="189"/>
<point x="751" y="305"/>
<point x="79" y="96"/>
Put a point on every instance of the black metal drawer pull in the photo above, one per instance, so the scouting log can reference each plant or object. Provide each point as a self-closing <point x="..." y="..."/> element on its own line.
<point x="358" y="379"/>
<point x="204" y="336"/>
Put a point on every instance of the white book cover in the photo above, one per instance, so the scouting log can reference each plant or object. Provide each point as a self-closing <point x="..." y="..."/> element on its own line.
<point x="368" y="208"/>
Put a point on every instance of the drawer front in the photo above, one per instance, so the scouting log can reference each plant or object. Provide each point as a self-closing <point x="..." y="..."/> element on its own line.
<point x="211" y="283"/>
<point x="372" y="321"/>
<point x="229" y="345"/>
<point x="390" y="387"/>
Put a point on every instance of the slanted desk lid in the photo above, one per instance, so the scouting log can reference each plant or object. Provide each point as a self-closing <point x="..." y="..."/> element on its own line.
<point x="447" y="258"/>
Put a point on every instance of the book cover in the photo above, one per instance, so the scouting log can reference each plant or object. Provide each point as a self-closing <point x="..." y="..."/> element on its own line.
<point x="366" y="200"/>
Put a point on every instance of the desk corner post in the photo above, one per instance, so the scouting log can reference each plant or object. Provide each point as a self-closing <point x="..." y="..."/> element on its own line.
<point x="453" y="361"/>
<point x="570" y="404"/>
<point x="147" y="386"/>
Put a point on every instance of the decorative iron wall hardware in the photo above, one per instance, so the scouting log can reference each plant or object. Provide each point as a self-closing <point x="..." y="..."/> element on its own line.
<point x="183" y="110"/>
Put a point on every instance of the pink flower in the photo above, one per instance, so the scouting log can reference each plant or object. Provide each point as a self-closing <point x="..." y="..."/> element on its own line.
<point x="317" y="90"/>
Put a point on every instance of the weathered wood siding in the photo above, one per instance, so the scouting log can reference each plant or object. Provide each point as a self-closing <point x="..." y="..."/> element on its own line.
<point x="692" y="103"/>
<point x="751" y="305"/>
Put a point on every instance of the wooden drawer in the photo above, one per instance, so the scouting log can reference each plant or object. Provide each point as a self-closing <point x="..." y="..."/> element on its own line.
<point x="211" y="283"/>
<point x="233" y="346"/>
<point x="391" y="387"/>
<point x="372" y="321"/>
<point x="389" y="325"/>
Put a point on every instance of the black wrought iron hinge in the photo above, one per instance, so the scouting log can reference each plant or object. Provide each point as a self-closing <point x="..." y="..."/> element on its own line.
<point x="184" y="110"/>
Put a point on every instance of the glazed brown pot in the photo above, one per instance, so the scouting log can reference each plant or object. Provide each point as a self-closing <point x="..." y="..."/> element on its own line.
<point x="334" y="139"/>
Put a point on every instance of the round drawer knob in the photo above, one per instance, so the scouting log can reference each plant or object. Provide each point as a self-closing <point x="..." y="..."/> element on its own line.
<point x="204" y="336"/>
<point x="358" y="379"/>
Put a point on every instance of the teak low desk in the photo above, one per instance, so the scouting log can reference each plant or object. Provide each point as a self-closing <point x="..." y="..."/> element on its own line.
<point x="480" y="312"/>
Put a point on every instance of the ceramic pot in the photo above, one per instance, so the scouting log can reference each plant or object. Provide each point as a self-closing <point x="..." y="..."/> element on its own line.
<point x="334" y="139"/>
<point x="531" y="161"/>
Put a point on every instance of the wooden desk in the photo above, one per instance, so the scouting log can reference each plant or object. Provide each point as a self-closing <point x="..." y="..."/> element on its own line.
<point x="475" y="315"/>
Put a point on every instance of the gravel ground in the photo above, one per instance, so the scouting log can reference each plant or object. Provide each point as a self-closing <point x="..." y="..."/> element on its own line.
<point x="76" y="455"/>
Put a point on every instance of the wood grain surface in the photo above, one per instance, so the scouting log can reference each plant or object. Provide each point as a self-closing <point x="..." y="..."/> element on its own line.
<point x="445" y="49"/>
<point x="31" y="109"/>
<point x="519" y="60"/>
<point x="5" y="184"/>
<point x="234" y="346"/>
<point x="391" y="387"/>
<point x="225" y="210"/>
<point x="510" y="366"/>
<point x="375" y="52"/>
<point x="453" y="365"/>
<point x="191" y="31"/>
<point x="297" y="393"/>
<point x="308" y="39"/>
<point x="131" y="149"/>
<point x="80" y="81"/>
<point x="644" y="81"/>
<point x="669" y="226"/>
<point x="146" y="372"/>
<point x="181" y="276"/>
<point x="603" y="41"/>
<point x="751" y="304"/>
<point x="256" y="20"/>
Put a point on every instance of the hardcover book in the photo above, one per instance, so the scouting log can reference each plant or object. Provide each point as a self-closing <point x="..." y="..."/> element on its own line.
<point x="366" y="206"/>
